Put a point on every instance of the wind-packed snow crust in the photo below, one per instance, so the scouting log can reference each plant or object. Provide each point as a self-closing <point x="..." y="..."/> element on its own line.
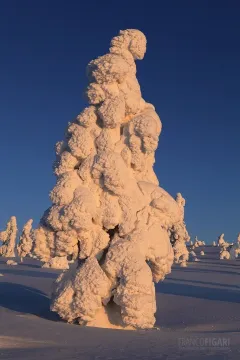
<point x="108" y="209"/>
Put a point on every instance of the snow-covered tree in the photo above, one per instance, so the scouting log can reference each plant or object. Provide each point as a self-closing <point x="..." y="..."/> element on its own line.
<point x="198" y="243"/>
<point x="25" y="244"/>
<point x="224" y="248"/>
<point x="8" y="238"/>
<point x="224" y="254"/>
<point x="179" y="235"/>
<point x="221" y="241"/>
<point x="234" y="250"/>
<point x="108" y="210"/>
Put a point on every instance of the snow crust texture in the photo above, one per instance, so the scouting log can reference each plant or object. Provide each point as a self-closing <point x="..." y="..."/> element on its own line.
<point x="8" y="239"/>
<point x="108" y="211"/>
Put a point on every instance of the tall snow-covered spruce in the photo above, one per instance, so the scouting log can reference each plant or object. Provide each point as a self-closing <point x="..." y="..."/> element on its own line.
<point x="108" y="209"/>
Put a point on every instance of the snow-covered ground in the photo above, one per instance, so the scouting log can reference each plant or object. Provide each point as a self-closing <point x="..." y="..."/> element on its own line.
<point x="197" y="306"/>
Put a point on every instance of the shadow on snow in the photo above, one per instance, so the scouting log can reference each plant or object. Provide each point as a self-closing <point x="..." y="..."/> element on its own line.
<point x="25" y="299"/>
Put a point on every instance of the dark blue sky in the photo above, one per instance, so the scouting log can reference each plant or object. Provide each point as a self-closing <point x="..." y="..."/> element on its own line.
<point x="191" y="73"/>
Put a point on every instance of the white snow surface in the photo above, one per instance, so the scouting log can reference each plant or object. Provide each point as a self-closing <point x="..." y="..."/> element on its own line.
<point x="198" y="302"/>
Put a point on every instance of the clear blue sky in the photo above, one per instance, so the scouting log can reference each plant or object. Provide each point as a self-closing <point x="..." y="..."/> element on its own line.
<point x="191" y="73"/>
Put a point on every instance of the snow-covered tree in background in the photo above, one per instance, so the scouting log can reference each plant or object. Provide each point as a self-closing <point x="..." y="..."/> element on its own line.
<point x="25" y="244"/>
<point x="179" y="235"/>
<point x="224" y="248"/>
<point x="8" y="238"/>
<point x="224" y="254"/>
<point x="198" y="243"/>
<point x="235" y="249"/>
<point x="221" y="241"/>
<point x="195" y="242"/>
